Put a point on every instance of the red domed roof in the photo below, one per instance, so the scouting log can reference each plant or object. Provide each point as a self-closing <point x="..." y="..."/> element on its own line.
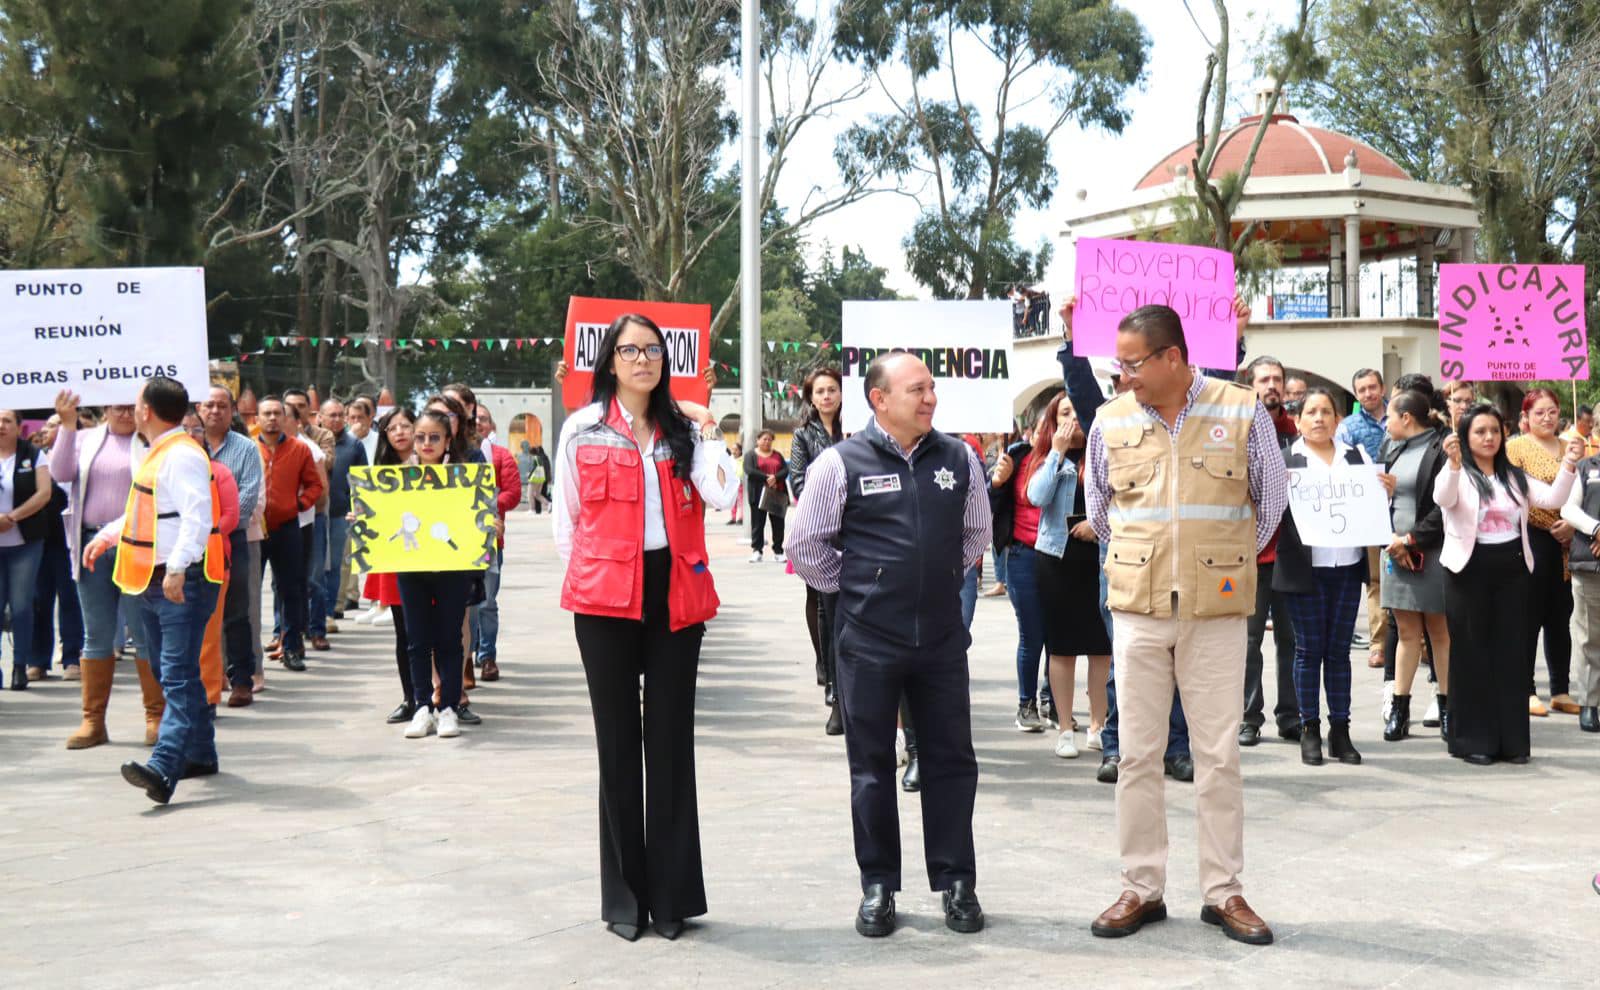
<point x="1289" y="148"/>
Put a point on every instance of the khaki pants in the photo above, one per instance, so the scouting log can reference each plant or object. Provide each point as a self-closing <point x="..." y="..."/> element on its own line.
<point x="1206" y="659"/>
<point x="1586" y="637"/>
<point x="1377" y="625"/>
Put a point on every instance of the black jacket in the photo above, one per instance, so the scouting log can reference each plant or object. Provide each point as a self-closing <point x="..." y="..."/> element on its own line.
<point x="755" y="479"/>
<point x="1429" y="529"/>
<point x="23" y="484"/>
<point x="1001" y="505"/>
<point x="1293" y="571"/>
<point x="808" y="444"/>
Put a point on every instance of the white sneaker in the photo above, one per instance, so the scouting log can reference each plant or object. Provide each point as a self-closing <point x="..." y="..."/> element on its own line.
<point x="779" y="558"/>
<point x="384" y="618"/>
<point x="449" y="726"/>
<point x="1388" y="699"/>
<point x="366" y="618"/>
<point x="1066" y="747"/>
<point x="755" y="557"/>
<point x="1431" y="719"/>
<point x="1094" y="740"/>
<point x="422" y="723"/>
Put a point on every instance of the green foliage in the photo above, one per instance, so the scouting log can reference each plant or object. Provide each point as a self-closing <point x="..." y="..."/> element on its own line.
<point x="978" y="169"/>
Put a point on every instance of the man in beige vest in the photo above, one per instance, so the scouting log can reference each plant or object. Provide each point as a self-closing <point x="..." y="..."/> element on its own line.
<point x="1185" y="484"/>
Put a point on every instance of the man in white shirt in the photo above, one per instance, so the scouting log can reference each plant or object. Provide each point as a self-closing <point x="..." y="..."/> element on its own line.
<point x="176" y="575"/>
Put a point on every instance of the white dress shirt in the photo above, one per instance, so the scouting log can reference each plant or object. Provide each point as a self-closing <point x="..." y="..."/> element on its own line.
<point x="183" y="506"/>
<point x="709" y="457"/>
<point x="309" y="516"/>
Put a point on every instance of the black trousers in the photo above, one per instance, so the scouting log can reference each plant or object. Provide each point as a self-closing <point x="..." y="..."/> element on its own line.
<point x="402" y="652"/>
<point x="283" y="551"/>
<point x="435" y="605"/>
<point x="873" y="676"/>
<point x="820" y="607"/>
<point x="649" y="822"/>
<point x="239" y="656"/>
<point x="1286" y="709"/>
<point x="1488" y="677"/>
<point x="1549" y="612"/>
<point x="758" y="521"/>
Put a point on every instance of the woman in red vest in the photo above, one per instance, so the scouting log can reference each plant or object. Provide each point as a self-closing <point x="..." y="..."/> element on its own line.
<point x="632" y="483"/>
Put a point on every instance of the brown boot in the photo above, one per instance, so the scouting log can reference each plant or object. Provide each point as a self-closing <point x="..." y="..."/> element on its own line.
<point x="155" y="703"/>
<point x="97" y="675"/>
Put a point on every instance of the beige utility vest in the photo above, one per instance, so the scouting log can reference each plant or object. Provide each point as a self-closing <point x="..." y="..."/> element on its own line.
<point x="1181" y="515"/>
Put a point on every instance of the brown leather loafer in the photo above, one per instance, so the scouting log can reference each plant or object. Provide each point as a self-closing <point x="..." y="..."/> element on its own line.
<point x="241" y="696"/>
<point x="490" y="672"/>
<point x="1564" y="704"/>
<point x="1127" y="916"/>
<point x="320" y="644"/>
<point x="1237" y="921"/>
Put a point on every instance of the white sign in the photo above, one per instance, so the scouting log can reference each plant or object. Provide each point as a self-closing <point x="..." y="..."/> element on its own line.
<point x="1341" y="507"/>
<point x="100" y="332"/>
<point x="967" y="346"/>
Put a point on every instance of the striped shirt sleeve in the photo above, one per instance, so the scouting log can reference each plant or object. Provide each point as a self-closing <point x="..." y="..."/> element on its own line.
<point x="812" y="542"/>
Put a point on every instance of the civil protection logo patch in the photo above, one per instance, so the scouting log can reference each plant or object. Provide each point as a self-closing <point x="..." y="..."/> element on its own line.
<point x="1225" y="589"/>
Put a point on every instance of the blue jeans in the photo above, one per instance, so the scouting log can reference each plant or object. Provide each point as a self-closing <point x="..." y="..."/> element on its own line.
<point x="316" y="567"/>
<point x="333" y="572"/>
<point x="103" y="606"/>
<point x="56" y="601"/>
<point x="1177" y="725"/>
<point x="1022" y="587"/>
<point x="969" y="596"/>
<point x="19" y="572"/>
<point x="485" y="617"/>
<point x="175" y="633"/>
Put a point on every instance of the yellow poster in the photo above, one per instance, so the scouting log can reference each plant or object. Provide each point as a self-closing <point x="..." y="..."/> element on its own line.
<point x="438" y="517"/>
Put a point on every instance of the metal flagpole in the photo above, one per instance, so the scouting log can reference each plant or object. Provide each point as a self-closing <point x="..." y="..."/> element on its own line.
<point x="750" y="390"/>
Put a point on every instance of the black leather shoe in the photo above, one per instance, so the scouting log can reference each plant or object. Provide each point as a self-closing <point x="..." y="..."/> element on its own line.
<point x="295" y="661"/>
<point x="669" y="930"/>
<point x="467" y="716"/>
<point x="629" y="933"/>
<point x="1517" y="760"/>
<point x="835" y="726"/>
<point x="154" y="785"/>
<point x="1249" y="734"/>
<point x="1179" y="768"/>
<point x="194" y="770"/>
<point x="961" y="911"/>
<point x="912" y="781"/>
<point x="1589" y="718"/>
<point x="402" y="713"/>
<point x="875" y="917"/>
<point x="1479" y="759"/>
<point x="1339" y="745"/>
<point x="1311" y="744"/>
<point x="1109" y="769"/>
<point x="1289" y="732"/>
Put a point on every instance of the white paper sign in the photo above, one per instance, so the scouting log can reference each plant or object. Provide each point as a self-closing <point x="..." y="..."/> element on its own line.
<point x="1343" y="507"/>
<point x="100" y="332"/>
<point x="967" y="346"/>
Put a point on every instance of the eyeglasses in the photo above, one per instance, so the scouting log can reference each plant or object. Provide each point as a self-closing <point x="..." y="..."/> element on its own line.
<point x="431" y="438"/>
<point x="1134" y="367"/>
<point x="631" y="352"/>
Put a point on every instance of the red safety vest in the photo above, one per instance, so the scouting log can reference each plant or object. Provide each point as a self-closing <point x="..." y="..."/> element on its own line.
<point x="136" y="551"/>
<point x="605" y="571"/>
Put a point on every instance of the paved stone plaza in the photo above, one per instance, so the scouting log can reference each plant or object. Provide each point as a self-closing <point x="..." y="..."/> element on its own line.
<point x="331" y="852"/>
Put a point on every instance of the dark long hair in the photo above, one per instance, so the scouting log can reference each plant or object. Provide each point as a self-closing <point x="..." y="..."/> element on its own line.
<point x="1505" y="472"/>
<point x="662" y="408"/>
<point x="460" y="430"/>
<point x="385" y="454"/>
<point x="810" y="414"/>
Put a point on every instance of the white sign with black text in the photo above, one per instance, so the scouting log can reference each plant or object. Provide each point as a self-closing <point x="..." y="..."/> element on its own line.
<point x="966" y="345"/>
<point x="100" y="332"/>
<point x="1342" y="507"/>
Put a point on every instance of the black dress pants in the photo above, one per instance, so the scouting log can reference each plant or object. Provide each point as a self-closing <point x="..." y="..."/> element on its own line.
<point x="283" y="551"/>
<point x="239" y="656"/>
<point x="873" y="676"/>
<point x="1549" y="612"/>
<point x="1488" y="632"/>
<point x="1269" y="603"/>
<point x="649" y="822"/>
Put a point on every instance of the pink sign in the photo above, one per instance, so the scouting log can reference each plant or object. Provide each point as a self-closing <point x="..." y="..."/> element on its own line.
<point x="1512" y="322"/>
<point x="1117" y="277"/>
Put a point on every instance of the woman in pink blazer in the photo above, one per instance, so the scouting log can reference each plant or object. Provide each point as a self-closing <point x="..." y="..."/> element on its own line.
<point x="1487" y="561"/>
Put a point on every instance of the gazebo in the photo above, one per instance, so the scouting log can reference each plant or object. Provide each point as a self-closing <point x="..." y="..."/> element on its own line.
<point x="1331" y="204"/>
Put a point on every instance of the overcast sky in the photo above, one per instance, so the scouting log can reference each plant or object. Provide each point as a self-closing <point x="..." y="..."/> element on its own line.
<point x="1162" y="119"/>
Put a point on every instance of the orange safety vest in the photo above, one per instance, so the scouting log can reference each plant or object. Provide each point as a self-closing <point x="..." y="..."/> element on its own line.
<point x="136" y="552"/>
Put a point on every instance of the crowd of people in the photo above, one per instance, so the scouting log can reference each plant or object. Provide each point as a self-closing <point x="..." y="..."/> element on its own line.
<point x="1147" y="533"/>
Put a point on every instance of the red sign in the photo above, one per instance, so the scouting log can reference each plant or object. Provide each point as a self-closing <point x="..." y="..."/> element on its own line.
<point x="687" y="327"/>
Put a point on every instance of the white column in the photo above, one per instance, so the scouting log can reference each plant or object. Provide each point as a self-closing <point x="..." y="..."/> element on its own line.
<point x="1352" y="266"/>
<point x="1425" y="273"/>
<point x="750" y="391"/>
<point x="1336" y="302"/>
